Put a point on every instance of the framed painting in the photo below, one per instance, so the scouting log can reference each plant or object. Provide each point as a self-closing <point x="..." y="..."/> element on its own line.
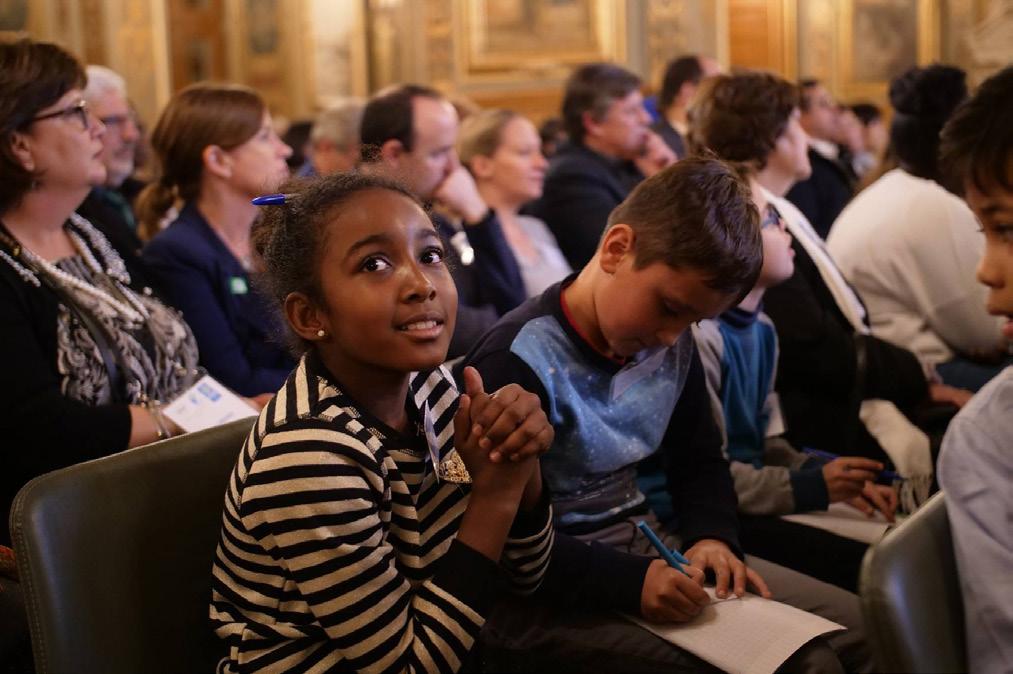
<point x="880" y="39"/>
<point x="14" y="16"/>
<point x="516" y="36"/>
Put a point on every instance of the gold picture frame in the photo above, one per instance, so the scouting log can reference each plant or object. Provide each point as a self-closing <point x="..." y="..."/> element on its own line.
<point x="880" y="39"/>
<point x="517" y="38"/>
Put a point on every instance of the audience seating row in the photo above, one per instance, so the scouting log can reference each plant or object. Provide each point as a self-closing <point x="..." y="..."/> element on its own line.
<point x="114" y="556"/>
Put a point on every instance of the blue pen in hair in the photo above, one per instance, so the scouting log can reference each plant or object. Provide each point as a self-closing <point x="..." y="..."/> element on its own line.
<point x="271" y="200"/>
<point x="665" y="553"/>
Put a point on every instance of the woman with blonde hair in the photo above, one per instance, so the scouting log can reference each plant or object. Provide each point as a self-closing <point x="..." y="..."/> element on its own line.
<point x="502" y="150"/>
<point x="216" y="150"/>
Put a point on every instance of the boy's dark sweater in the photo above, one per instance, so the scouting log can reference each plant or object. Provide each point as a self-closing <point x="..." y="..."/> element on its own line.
<point x="690" y="450"/>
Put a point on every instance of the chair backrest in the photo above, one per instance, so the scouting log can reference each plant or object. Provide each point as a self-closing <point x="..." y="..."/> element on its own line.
<point x="910" y="591"/>
<point x="115" y="556"/>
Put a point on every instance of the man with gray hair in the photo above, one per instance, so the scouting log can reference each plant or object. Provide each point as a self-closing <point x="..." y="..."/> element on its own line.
<point x="106" y="95"/>
<point x="334" y="140"/>
<point x="108" y="206"/>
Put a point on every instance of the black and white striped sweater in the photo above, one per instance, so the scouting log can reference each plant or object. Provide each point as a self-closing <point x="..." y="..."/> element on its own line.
<point x="338" y="548"/>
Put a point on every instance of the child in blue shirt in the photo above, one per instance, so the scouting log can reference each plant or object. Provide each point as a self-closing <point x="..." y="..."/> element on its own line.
<point x="609" y="354"/>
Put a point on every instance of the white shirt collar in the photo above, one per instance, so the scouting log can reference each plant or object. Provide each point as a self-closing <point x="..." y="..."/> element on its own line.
<point x="825" y="147"/>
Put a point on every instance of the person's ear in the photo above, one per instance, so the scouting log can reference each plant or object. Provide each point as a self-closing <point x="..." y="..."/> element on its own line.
<point x="591" y="126"/>
<point x="306" y="319"/>
<point x="481" y="167"/>
<point x="21" y="147"/>
<point x="392" y="151"/>
<point x="217" y="161"/>
<point x="615" y="246"/>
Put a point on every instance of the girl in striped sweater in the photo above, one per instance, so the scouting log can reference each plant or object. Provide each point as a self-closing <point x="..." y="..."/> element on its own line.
<point x="374" y="513"/>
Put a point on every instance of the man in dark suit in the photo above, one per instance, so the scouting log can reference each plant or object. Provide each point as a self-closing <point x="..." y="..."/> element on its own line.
<point x="822" y="196"/>
<point x="109" y="205"/>
<point x="682" y="78"/>
<point x="610" y="150"/>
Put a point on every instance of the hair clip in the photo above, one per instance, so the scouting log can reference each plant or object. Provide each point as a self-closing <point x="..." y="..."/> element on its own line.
<point x="272" y="200"/>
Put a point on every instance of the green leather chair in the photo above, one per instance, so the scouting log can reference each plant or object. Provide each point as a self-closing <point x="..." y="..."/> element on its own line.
<point x="910" y="591"/>
<point x="115" y="556"/>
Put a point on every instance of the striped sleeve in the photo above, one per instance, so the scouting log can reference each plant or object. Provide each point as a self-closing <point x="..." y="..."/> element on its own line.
<point x="312" y="501"/>
<point x="528" y="547"/>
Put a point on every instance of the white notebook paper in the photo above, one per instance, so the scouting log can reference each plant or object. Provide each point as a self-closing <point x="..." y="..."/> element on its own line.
<point x="844" y="520"/>
<point x="750" y="635"/>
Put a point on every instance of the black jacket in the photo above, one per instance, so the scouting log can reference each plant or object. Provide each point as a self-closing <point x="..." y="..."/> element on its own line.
<point x="671" y="137"/>
<point x="581" y="189"/>
<point x="826" y="369"/>
<point x="823" y="195"/>
<point x="488" y="286"/>
<point x="42" y="429"/>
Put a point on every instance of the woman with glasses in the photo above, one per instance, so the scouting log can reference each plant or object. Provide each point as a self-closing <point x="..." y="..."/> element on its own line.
<point x="216" y="150"/>
<point x="93" y="352"/>
<point x="90" y="355"/>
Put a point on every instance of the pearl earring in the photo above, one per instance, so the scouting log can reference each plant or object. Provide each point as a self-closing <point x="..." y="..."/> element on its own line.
<point x="321" y="333"/>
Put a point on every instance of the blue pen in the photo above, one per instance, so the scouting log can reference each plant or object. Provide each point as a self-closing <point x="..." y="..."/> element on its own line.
<point x="681" y="557"/>
<point x="884" y="475"/>
<point x="271" y="200"/>
<point x="666" y="554"/>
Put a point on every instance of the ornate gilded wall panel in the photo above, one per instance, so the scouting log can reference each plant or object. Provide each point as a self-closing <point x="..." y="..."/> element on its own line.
<point x="676" y="27"/>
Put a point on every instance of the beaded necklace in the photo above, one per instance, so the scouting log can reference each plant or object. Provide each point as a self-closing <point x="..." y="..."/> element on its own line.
<point x="129" y="306"/>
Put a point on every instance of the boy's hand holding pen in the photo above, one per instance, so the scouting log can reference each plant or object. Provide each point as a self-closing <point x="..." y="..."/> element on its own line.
<point x="673" y="589"/>
<point x="852" y="480"/>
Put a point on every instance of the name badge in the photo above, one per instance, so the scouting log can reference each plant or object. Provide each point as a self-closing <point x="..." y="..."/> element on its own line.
<point x="451" y="467"/>
<point x="237" y="284"/>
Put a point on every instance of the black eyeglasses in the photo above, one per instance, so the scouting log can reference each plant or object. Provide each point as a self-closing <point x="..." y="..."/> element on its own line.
<point x="118" y="120"/>
<point x="80" y="109"/>
<point x="771" y="218"/>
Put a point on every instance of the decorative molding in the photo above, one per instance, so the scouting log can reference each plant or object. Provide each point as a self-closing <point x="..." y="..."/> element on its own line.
<point x="336" y="50"/>
<point x="266" y="48"/>
<point x="521" y="40"/>
<point x="137" y="47"/>
<point x="677" y="27"/>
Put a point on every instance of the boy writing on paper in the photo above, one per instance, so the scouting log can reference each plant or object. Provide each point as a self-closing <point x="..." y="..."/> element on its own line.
<point x="608" y="353"/>
<point x="976" y="462"/>
<point x="751" y="119"/>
